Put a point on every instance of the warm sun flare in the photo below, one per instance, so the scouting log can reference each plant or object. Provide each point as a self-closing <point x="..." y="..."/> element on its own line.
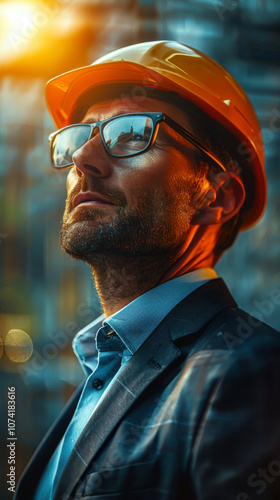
<point x="20" y="22"/>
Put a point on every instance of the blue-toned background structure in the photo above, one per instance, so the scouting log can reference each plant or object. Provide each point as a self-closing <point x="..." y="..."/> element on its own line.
<point x="44" y="292"/>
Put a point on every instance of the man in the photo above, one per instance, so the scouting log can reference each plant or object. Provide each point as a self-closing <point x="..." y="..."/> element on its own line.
<point x="165" y="167"/>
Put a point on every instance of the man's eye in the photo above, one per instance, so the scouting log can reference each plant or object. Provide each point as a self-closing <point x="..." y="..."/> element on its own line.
<point x="139" y="137"/>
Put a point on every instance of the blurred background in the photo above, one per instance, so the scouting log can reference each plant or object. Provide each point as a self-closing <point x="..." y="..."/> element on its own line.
<point x="46" y="297"/>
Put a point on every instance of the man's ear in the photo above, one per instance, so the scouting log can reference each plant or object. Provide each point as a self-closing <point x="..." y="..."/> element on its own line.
<point x="222" y="197"/>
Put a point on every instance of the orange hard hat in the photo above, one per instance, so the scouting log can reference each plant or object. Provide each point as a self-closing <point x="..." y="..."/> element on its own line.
<point x="172" y="66"/>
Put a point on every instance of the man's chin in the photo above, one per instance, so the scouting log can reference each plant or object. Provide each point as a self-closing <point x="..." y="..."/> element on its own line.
<point x="75" y="238"/>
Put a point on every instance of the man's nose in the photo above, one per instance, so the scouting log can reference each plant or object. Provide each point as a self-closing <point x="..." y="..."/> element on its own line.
<point x="92" y="159"/>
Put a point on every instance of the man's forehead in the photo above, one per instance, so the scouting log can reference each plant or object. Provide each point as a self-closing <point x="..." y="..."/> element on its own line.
<point x="112" y="107"/>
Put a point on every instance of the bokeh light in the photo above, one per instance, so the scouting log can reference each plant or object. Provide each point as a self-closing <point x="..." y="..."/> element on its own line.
<point x="18" y="345"/>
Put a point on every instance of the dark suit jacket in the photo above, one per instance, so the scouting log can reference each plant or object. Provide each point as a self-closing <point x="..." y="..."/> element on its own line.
<point x="195" y="414"/>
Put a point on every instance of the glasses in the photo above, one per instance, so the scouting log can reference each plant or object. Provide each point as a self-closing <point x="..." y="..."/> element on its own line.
<point x="122" y="136"/>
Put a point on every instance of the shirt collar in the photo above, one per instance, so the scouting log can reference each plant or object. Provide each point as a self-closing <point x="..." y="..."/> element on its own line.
<point x="136" y="321"/>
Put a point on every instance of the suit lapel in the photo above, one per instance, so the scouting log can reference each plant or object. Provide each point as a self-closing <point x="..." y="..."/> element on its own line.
<point x="195" y="311"/>
<point x="132" y="381"/>
<point x="152" y="358"/>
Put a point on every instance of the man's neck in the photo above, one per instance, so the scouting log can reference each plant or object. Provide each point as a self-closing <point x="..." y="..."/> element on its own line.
<point x="120" y="280"/>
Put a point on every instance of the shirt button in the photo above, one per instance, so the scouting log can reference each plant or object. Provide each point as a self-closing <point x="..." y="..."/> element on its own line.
<point x="97" y="384"/>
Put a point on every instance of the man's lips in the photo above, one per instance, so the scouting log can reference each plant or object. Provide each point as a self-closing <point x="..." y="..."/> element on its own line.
<point x="90" y="198"/>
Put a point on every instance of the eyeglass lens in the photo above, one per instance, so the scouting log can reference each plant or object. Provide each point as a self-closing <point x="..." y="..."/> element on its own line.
<point x="66" y="143"/>
<point x="128" y="134"/>
<point x="123" y="136"/>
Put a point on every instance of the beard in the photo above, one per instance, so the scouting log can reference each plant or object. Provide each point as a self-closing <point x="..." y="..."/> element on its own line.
<point x="156" y="225"/>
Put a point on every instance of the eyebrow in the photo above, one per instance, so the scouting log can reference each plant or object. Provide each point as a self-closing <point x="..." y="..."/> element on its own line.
<point x="114" y="113"/>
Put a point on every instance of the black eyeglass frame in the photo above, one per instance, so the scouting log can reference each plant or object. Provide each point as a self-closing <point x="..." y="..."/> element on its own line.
<point x="156" y="118"/>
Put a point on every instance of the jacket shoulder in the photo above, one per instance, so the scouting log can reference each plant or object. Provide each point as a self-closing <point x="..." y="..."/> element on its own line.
<point x="238" y="384"/>
<point x="235" y="330"/>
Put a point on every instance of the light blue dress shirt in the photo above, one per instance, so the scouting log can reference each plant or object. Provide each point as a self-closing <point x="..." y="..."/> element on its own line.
<point x="103" y="356"/>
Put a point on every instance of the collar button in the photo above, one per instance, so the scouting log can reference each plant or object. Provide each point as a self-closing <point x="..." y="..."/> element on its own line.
<point x="97" y="384"/>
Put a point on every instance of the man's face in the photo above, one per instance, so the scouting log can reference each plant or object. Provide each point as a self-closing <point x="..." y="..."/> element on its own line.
<point x="138" y="206"/>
